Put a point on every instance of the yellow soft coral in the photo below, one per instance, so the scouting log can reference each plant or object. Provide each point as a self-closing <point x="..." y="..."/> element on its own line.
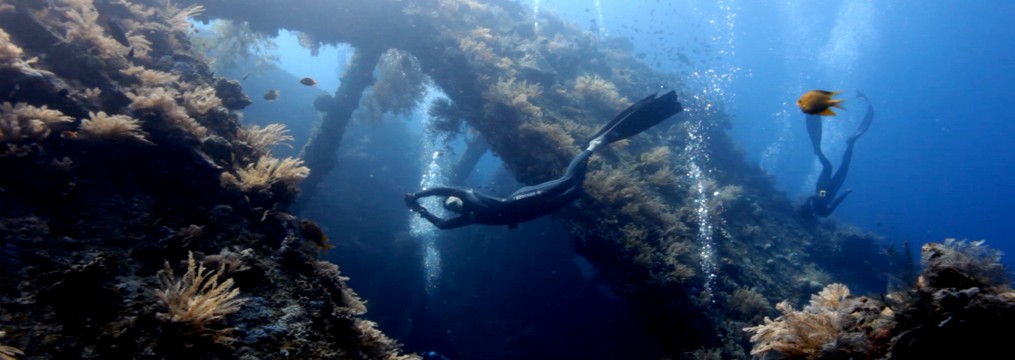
<point x="263" y="138"/>
<point x="596" y="89"/>
<point x="516" y="94"/>
<point x="102" y="127"/>
<point x="21" y="121"/>
<point x="198" y="298"/>
<point x="10" y="54"/>
<point x="201" y="100"/>
<point x="801" y="334"/>
<point x="163" y="100"/>
<point x="269" y="170"/>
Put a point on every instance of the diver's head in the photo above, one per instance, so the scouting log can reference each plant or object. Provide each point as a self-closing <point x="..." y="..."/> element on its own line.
<point x="454" y="203"/>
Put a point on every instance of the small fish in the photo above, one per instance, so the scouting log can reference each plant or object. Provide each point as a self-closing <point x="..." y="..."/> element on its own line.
<point x="271" y="95"/>
<point x="308" y="81"/>
<point x="245" y="76"/>
<point x="819" y="102"/>
<point x="117" y="33"/>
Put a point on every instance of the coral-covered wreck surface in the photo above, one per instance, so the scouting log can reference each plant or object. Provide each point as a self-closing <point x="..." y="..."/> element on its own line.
<point x="141" y="218"/>
<point x="138" y="217"/>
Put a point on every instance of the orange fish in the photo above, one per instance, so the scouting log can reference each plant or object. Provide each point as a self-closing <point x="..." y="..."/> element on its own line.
<point x="819" y="102"/>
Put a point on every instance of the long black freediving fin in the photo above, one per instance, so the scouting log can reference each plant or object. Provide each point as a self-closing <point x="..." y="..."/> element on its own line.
<point x="639" y="117"/>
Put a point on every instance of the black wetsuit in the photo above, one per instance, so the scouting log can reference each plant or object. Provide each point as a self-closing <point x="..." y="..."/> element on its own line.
<point x="824" y="201"/>
<point x="531" y="202"/>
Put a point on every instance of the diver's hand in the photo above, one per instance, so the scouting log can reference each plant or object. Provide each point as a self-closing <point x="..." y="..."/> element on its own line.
<point x="410" y="202"/>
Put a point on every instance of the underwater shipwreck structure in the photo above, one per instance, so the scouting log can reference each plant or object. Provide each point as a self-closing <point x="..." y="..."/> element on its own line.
<point x="139" y="216"/>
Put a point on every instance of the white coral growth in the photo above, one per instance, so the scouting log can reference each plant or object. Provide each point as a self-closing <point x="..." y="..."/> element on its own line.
<point x="269" y="170"/>
<point x="102" y="127"/>
<point x="198" y="298"/>
<point x="263" y="138"/>
<point x="21" y="121"/>
<point x="801" y="334"/>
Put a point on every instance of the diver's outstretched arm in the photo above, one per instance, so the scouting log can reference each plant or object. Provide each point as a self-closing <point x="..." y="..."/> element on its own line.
<point x="443" y="224"/>
<point x="814" y="131"/>
<point x="412" y="202"/>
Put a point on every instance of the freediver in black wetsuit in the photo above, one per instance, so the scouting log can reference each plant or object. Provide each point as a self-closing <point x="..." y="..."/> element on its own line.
<point x="824" y="202"/>
<point x="531" y="202"/>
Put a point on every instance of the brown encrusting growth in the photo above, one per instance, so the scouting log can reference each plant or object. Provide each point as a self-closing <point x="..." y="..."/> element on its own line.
<point x="138" y="217"/>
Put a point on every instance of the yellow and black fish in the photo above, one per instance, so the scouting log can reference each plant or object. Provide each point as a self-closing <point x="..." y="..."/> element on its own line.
<point x="271" y="95"/>
<point x="819" y="102"/>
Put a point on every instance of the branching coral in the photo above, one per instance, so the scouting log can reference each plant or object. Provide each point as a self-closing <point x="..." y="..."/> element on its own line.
<point x="613" y="186"/>
<point x="19" y="122"/>
<point x="178" y="17"/>
<point x="400" y="86"/>
<point x="674" y="257"/>
<point x="230" y="260"/>
<point x="102" y="127"/>
<point x="475" y="45"/>
<point x="10" y="54"/>
<point x="163" y="100"/>
<point x="198" y="298"/>
<point x="955" y="263"/>
<point x="269" y="170"/>
<point x="960" y="301"/>
<point x="748" y="302"/>
<point x="83" y="24"/>
<point x="596" y="89"/>
<point x="655" y="166"/>
<point x="140" y="44"/>
<point x="9" y="352"/>
<point x="515" y="94"/>
<point x="150" y="77"/>
<point x="263" y="138"/>
<point x="801" y="334"/>
<point x="201" y="100"/>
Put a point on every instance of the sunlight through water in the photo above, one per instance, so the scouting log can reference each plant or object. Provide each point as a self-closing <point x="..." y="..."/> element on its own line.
<point x="713" y="84"/>
<point x="433" y="175"/>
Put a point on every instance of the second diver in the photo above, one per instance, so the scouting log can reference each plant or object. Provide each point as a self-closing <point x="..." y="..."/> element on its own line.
<point x="531" y="202"/>
<point x="824" y="200"/>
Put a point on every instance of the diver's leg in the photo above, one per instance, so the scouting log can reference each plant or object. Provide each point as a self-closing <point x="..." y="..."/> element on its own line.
<point x="814" y="131"/>
<point x="840" y="174"/>
<point x="578" y="166"/>
<point x="574" y="176"/>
